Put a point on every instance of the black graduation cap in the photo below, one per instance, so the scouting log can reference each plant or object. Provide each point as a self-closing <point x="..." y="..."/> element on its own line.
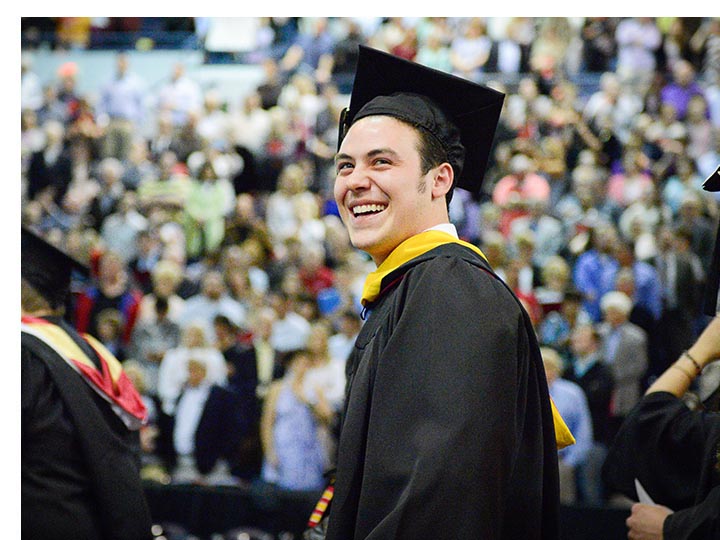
<point x="47" y="268"/>
<point x="712" y="183"/>
<point x="461" y="114"/>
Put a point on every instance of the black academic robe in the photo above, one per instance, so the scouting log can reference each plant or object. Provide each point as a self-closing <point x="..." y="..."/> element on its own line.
<point x="80" y="465"/>
<point x="447" y="429"/>
<point x="673" y="452"/>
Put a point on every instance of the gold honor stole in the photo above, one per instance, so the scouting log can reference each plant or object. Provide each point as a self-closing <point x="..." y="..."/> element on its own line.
<point x="418" y="245"/>
<point x="110" y="382"/>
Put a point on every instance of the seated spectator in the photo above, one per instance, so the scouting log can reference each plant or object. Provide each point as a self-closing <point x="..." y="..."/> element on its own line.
<point x="312" y="51"/>
<point x="326" y="374"/>
<point x="470" y="51"/>
<point x="51" y="165"/>
<point x="151" y="339"/>
<point x="341" y="343"/>
<point x="434" y="52"/>
<point x="110" y="193"/>
<point x="628" y="186"/>
<point x="684" y="180"/>
<point x="647" y="285"/>
<point x="701" y="134"/>
<point x="181" y="95"/>
<point x="595" y="269"/>
<point x="280" y="212"/>
<point x="548" y="231"/>
<point x="209" y="200"/>
<point x="515" y="190"/>
<point x="294" y="457"/>
<point x="554" y="282"/>
<point x="570" y="401"/>
<point x="166" y="277"/>
<point x="110" y="331"/>
<point x="148" y="252"/>
<point x="587" y="369"/>
<point x="643" y="317"/>
<point x="239" y="358"/>
<point x="173" y="371"/>
<point x="626" y="352"/>
<point x="268" y="365"/>
<point x="213" y="299"/>
<point x="681" y="276"/>
<point x="313" y="273"/>
<point x="529" y="275"/>
<point x="113" y="290"/>
<point x="162" y="198"/>
<point x="243" y="222"/>
<point x="208" y="425"/>
<point x="290" y="330"/>
<point x="121" y="229"/>
<point x="682" y="88"/>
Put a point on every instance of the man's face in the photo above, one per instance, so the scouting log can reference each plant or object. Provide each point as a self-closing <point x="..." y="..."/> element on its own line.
<point x="382" y="197"/>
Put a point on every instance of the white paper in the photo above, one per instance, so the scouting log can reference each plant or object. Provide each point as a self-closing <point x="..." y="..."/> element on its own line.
<point x="643" y="496"/>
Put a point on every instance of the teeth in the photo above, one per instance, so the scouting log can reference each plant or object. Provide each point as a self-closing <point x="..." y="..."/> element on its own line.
<point x="368" y="208"/>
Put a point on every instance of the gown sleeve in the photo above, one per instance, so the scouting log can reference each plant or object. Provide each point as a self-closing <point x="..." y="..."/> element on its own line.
<point x="666" y="446"/>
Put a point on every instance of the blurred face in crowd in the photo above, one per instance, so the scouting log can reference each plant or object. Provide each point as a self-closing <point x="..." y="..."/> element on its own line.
<point x="381" y="193"/>
<point x="213" y="285"/>
<point x="582" y="340"/>
<point x="111" y="269"/>
<point x="318" y="339"/>
<point x="614" y="316"/>
<point x="194" y="336"/>
<point x="196" y="373"/>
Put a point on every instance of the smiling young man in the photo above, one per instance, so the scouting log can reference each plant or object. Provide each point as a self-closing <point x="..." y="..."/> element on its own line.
<point x="384" y="193"/>
<point x="448" y="429"/>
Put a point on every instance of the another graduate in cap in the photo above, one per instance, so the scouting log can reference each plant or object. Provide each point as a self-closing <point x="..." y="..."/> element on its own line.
<point x="448" y="428"/>
<point x="80" y="462"/>
<point x="671" y="450"/>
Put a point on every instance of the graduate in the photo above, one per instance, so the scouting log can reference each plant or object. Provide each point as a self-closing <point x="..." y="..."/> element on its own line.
<point x="448" y="429"/>
<point x="80" y="460"/>
<point x="673" y="452"/>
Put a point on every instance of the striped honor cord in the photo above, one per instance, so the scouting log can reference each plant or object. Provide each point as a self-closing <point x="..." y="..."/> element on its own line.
<point x="321" y="506"/>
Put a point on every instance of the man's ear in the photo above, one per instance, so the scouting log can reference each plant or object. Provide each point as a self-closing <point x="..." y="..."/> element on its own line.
<point x="442" y="180"/>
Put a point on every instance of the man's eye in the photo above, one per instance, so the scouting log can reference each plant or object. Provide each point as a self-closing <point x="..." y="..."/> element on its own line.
<point x="342" y="166"/>
<point x="382" y="161"/>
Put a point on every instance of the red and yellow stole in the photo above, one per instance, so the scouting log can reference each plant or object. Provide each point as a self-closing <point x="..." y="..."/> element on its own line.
<point x="110" y="381"/>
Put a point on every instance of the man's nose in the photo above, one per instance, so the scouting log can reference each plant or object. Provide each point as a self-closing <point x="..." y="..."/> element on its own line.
<point x="358" y="179"/>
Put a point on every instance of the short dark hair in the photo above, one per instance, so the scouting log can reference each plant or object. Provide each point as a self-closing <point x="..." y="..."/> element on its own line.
<point x="432" y="154"/>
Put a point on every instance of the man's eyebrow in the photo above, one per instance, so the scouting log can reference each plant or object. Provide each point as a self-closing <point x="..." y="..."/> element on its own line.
<point x="339" y="157"/>
<point x="370" y="154"/>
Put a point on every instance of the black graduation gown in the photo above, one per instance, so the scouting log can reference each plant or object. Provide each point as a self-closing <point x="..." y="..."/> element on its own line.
<point x="447" y="430"/>
<point x="80" y="465"/>
<point x="673" y="451"/>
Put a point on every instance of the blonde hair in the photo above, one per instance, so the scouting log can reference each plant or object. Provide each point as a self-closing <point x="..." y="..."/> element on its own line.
<point x="555" y="267"/>
<point x="31" y="301"/>
<point x="551" y="360"/>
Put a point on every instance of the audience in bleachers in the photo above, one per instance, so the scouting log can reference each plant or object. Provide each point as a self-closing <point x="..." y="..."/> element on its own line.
<point x="215" y="217"/>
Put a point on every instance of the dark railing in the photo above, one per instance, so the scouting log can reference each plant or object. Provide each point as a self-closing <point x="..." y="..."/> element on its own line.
<point x="212" y="512"/>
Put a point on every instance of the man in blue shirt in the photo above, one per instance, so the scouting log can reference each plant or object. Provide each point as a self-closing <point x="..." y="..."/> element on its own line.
<point x="570" y="401"/>
<point x="121" y="109"/>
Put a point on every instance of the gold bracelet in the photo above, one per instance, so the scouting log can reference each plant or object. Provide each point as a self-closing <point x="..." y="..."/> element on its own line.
<point x="697" y="366"/>
<point x="684" y="371"/>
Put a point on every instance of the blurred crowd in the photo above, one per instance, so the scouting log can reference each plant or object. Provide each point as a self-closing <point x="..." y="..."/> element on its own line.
<point x="224" y="280"/>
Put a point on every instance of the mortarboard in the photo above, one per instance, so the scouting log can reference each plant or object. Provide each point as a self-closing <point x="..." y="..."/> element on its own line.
<point x="461" y="114"/>
<point x="712" y="183"/>
<point x="46" y="267"/>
